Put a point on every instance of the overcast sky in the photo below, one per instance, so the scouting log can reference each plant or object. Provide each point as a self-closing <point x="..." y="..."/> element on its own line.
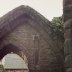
<point x="48" y="8"/>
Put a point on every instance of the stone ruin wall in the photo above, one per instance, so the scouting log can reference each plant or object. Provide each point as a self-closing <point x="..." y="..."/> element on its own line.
<point x="40" y="47"/>
<point x="67" y="14"/>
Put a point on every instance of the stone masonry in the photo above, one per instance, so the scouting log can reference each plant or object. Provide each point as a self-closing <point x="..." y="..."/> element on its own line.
<point x="25" y="31"/>
<point x="67" y="12"/>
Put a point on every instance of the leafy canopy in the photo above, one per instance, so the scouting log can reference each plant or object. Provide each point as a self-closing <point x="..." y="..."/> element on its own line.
<point x="57" y="24"/>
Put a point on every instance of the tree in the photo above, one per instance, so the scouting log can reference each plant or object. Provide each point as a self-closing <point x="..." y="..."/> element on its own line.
<point x="57" y="24"/>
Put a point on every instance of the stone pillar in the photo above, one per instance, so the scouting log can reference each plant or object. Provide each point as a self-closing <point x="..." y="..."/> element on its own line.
<point x="67" y="9"/>
<point x="67" y="13"/>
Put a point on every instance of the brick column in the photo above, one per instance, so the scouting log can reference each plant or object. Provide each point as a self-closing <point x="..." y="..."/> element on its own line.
<point x="67" y="13"/>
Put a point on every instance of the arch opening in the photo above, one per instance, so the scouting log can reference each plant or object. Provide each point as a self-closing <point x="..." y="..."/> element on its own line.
<point x="12" y="62"/>
<point x="11" y="52"/>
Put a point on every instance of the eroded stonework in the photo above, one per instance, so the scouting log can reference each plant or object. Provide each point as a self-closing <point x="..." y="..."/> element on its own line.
<point x="67" y="8"/>
<point x="25" y="30"/>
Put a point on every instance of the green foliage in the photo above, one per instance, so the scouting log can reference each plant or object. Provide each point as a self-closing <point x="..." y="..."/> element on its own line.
<point x="57" y="24"/>
<point x="2" y="68"/>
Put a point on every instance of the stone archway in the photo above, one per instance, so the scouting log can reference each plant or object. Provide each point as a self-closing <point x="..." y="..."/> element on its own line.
<point x="12" y="62"/>
<point x="25" y="29"/>
<point x="11" y="48"/>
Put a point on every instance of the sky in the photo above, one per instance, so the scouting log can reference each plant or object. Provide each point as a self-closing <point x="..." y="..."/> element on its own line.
<point x="48" y="8"/>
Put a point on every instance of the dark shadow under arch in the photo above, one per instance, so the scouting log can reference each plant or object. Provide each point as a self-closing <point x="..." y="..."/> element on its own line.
<point x="12" y="48"/>
<point x="8" y="49"/>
